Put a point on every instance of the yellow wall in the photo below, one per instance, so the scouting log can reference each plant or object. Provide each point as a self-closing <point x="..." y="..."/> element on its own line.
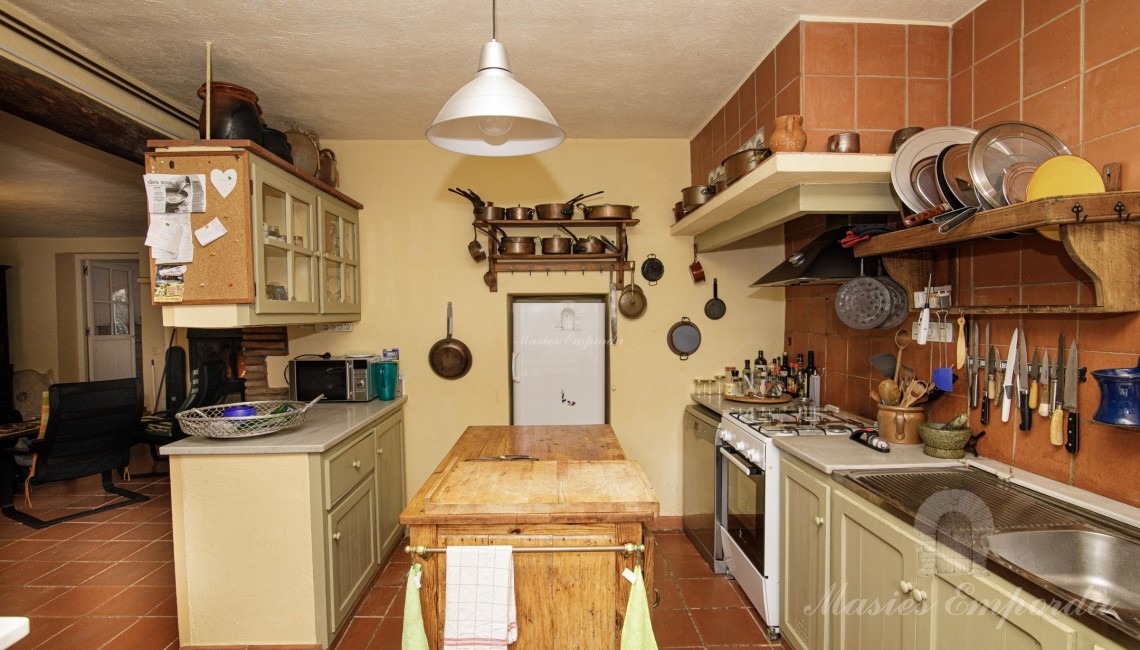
<point x="414" y="249"/>
<point x="42" y="308"/>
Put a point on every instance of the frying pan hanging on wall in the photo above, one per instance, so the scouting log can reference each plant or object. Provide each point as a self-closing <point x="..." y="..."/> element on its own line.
<point x="450" y="358"/>
<point x="683" y="338"/>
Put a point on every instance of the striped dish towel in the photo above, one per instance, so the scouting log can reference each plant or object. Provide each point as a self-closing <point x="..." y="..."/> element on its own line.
<point x="480" y="609"/>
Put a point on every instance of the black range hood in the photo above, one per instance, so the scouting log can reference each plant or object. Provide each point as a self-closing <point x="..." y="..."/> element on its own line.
<point x="824" y="261"/>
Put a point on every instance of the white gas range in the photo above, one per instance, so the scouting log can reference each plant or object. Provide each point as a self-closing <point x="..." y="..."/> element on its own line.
<point x="748" y="517"/>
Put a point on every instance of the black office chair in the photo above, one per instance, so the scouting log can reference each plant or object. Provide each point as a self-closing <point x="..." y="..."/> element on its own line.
<point x="90" y="428"/>
<point x="207" y="388"/>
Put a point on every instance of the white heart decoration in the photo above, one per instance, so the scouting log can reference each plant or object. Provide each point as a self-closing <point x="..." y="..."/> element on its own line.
<point x="224" y="181"/>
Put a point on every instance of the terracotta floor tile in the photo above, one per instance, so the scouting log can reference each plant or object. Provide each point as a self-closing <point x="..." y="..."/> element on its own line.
<point x="124" y="573"/>
<point x="77" y="601"/>
<point x="161" y="576"/>
<point x="359" y="633"/>
<point x="136" y="601"/>
<point x="396" y="610"/>
<point x="689" y="566"/>
<point x="88" y="633"/>
<point x="64" y="551"/>
<point x="115" y="551"/>
<point x="670" y="596"/>
<point x="392" y="576"/>
<point x="674" y="629"/>
<point x="149" y="532"/>
<point x="704" y="593"/>
<point x="158" y="551"/>
<point x="389" y="635"/>
<point x="727" y="626"/>
<point x="671" y="544"/>
<point x="147" y="634"/>
<point x="42" y="629"/>
<point x="168" y="607"/>
<point x="66" y="530"/>
<point x="25" y="549"/>
<point x="24" y="571"/>
<point x="107" y="531"/>
<point x="71" y="574"/>
<point x="18" y="600"/>
<point x="139" y="515"/>
<point x="377" y="601"/>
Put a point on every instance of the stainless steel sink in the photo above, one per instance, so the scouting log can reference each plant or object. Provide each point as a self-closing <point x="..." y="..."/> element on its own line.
<point x="1098" y="567"/>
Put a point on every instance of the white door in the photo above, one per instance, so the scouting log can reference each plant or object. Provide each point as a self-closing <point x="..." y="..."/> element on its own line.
<point x="558" y="362"/>
<point x="110" y="290"/>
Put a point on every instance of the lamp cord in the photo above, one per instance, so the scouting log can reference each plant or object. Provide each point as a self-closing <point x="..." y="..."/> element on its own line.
<point x="493" y="20"/>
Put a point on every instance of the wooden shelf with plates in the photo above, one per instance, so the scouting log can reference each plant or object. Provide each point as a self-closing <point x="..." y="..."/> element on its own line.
<point x="1101" y="232"/>
<point x="785" y="186"/>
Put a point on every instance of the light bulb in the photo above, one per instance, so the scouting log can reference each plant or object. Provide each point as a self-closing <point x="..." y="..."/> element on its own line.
<point x="495" y="126"/>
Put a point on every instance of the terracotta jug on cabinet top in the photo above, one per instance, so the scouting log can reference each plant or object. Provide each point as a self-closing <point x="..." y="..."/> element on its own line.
<point x="788" y="134"/>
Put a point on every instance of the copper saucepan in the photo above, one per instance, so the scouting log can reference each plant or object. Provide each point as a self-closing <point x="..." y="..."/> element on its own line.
<point x="696" y="269"/>
<point x="608" y="211"/>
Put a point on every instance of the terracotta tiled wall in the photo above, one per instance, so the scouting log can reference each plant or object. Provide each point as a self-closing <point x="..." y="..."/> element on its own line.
<point x="1068" y="65"/>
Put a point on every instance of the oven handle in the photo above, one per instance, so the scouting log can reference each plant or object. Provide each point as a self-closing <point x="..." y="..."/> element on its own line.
<point x="743" y="465"/>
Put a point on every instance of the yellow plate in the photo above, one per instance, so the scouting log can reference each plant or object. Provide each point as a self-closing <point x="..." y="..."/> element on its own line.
<point x="1063" y="176"/>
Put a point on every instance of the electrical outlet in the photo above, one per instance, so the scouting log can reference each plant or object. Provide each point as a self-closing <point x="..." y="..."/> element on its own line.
<point x="939" y="332"/>
<point x="335" y="327"/>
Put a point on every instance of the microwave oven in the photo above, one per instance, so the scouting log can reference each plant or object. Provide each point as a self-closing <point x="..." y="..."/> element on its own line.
<point x="339" y="379"/>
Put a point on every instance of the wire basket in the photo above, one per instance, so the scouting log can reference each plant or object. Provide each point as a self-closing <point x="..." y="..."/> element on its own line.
<point x="271" y="416"/>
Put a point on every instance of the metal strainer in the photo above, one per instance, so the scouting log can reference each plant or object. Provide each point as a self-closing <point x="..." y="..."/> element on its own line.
<point x="863" y="303"/>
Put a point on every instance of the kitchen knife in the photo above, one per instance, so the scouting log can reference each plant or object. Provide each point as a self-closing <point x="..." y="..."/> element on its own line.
<point x="1007" y="385"/>
<point x="991" y="380"/>
<point x="1057" y="424"/>
<point x="1071" y="385"/>
<point x="1034" y="375"/>
<point x="975" y="364"/>
<point x="1023" y="385"/>
<point x="1044" y="379"/>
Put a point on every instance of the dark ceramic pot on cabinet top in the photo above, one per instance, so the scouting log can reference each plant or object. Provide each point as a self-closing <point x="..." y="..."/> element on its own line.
<point x="277" y="144"/>
<point x="234" y="113"/>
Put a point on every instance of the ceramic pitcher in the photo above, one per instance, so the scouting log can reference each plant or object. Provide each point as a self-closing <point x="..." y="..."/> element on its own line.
<point x="788" y="134"/>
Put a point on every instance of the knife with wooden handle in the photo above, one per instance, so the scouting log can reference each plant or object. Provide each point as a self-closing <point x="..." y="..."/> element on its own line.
<point x="1072" y="430"/>
<point x="1024" y="414"/>
<point x="991" y="381"/>
<point x="1057" y="423"/>
<point x="1043" y="378"/>
<point x="1008" y="397"/>
<point x="1034" y="374"/>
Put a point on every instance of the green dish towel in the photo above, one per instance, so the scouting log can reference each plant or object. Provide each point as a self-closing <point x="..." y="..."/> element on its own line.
<point x="414" y="637"/>
<point x="637" y="630"/>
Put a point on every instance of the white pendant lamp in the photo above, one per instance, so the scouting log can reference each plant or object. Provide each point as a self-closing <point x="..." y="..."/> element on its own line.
<point x="494" y="115"/>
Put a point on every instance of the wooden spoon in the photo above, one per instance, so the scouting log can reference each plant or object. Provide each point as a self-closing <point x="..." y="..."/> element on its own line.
<point x="890" y="392"/>
<point x="915" y="391"/>
<point x="902" y="339"/>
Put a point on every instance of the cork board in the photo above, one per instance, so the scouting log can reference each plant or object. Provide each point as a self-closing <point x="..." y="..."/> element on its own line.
<point x="222" y="272"/>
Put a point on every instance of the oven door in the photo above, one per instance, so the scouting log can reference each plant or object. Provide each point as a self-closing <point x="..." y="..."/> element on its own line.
<point x="743" y="513"/>
<point x="312" y="377"/>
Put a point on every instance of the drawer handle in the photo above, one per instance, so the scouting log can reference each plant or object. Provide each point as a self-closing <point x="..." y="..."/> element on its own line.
<point x="656" y="597"/>
<point x="905" y="587"/>
<point x="818" y="520"/>
<point x="918" y="595"/>
<point x="380" y="451"/>
<point x="336" y="536"/>
<point x="356" y="464"/>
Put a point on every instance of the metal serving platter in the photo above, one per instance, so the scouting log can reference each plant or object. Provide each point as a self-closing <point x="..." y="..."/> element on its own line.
<point x="918" y="147"/>
<point x="999" y="147"/>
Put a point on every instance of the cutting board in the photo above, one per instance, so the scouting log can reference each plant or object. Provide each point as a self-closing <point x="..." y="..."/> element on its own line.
<point x="563" y="486"/>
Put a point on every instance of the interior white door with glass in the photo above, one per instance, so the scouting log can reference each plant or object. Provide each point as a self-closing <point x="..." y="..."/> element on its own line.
<point x="110" y="293"/>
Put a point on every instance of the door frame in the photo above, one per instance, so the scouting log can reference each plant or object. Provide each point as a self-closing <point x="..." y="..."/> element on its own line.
<point x="83" y="361"/>
<point x="513" y="298"/>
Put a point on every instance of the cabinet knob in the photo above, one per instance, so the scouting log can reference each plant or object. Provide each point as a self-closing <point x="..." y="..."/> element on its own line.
<point x="336" y="536"/>
<point x="905" y="586"/>
<point x="918" y="595"/>
<point x="356" y="464"/>
<point x="380" y="451"/>
<point x="818" y="520"/>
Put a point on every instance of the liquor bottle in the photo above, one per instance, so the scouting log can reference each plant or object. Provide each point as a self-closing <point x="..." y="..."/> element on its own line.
<point x="809" y="372"/>
<point x="761" y="362"/>
<point x="792" y="385"/>
<point x="748" y="377"/>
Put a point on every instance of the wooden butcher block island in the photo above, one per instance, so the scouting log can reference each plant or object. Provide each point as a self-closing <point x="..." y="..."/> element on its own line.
<point x="580" y="492"/>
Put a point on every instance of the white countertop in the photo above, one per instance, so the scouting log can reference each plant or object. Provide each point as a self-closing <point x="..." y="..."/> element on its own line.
<point x="325" y="425"/>
<point x="834" y="453"/>
<point x="12" y="629"/>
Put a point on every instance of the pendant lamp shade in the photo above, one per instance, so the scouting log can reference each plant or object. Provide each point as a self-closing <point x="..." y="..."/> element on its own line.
<point x="495" y="115"/>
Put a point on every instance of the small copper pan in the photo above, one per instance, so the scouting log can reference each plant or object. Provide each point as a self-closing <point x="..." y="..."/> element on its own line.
<point x="696" y="269"/>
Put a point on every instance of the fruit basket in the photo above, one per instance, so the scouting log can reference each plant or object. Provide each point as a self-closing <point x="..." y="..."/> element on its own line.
<point x="268" y="417"/>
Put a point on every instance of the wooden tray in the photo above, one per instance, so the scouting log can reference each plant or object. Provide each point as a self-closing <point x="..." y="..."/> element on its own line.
<point x="759" y="400"/>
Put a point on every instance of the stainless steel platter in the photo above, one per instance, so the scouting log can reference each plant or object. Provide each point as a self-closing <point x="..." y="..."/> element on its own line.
<point x="918" y="147"/>
<point x="1002" y="145"/>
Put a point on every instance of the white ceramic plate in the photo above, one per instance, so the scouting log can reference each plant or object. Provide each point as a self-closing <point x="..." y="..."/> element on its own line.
<point x="923" y="145"/>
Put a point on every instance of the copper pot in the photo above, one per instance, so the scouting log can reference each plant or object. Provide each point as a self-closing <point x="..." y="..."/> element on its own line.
<point x="742" y="162"/>
<point x="516" y="246"/>
<point x="556" y="245"/>
<point x="608" y="211"/>
<point x="519" y="213"/>
<point x="696" y="196"/>
<point x="492" y="213"/>
<point x="550" y="211"/>
<point x="234" y="113"/>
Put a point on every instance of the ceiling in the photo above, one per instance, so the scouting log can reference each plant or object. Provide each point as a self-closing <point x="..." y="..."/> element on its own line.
<point x="362" y="69"/>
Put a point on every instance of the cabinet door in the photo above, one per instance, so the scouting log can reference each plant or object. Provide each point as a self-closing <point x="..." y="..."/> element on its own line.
<point x="390" y="481"/>
<point x="352" y="549"/>
<point x="977" y="611"/>
<point x="804" y="542"/>
<point x="340" y="259"/>
<point x="878" y="597"/>
<point x="285" y="242"/>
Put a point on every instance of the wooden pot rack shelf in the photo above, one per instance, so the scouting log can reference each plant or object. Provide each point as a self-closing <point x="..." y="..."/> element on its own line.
<point x="1101" y="232"/>
<point x="616" y="263"/>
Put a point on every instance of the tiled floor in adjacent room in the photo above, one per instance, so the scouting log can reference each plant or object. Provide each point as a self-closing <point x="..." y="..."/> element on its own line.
<point x="107" y="581"/>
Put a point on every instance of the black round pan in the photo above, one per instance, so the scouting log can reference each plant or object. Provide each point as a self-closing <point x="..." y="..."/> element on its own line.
<point x="714" y="308"/>
<point x="450" y="358"/>
<point x="683" y="338"/>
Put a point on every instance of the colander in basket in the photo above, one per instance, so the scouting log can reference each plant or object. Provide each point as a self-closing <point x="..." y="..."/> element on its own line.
<point x="271" y="416"/>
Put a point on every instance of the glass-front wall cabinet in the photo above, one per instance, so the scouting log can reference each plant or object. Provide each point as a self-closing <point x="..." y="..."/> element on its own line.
<point x="287" y="254"/>
<point x="340" y="261"/>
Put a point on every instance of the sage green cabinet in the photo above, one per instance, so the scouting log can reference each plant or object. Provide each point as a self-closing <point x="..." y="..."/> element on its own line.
<point x="390" y="481"/>
<point x="983" y="611"/>
<point x="351" y="549"/>
<point x="805" y="534"/>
